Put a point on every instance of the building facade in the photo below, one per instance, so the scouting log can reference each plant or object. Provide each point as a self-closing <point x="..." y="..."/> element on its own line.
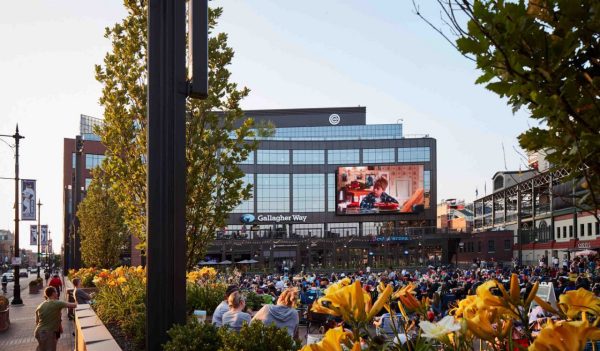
<point x="539" y="207"/>
<point x="310" y="180"/>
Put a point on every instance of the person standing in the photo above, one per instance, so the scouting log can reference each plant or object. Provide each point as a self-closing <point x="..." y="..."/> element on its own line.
<point x="81" y="297"/>
<point x="56" y="283"/>
<point x="47" y="320"/>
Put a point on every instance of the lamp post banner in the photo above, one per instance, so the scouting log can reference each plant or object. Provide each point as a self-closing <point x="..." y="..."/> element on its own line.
<point x="33" y="235"/>
<point x="28" y="194"/>
<point x="44" y="229"/>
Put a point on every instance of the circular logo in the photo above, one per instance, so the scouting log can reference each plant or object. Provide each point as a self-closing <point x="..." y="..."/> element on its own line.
<point x="334" y="119"/>
<point x="247" y="218"/>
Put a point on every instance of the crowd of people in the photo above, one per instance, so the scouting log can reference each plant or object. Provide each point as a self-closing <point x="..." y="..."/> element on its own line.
<point x="293" y="295"/>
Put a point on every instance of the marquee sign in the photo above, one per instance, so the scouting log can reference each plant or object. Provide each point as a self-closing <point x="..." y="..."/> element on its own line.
<point x="281" y="218"/>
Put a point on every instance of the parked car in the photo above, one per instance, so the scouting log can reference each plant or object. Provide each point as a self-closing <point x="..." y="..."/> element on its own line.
<point x="10" y="276"/>
<point x="23" y="274"/>
<point x="33" y="270"/>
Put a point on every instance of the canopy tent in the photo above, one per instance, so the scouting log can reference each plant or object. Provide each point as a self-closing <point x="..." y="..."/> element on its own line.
<point x="206" y="263"/>
<point x="225" y="262"/>
<point x="252" y="261"/>
<point x="243" y="262"/>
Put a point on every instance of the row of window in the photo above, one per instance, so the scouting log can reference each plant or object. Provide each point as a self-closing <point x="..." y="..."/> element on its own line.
<point x="308" y="192"/>
<point x="470" y="246"/>
<point x="582" y="232"/>
<point x="91" y="160"/>
<point x="343" y="156"/>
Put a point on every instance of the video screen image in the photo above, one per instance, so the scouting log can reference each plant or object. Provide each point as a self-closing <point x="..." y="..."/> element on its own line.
<point x="379" y="190"/>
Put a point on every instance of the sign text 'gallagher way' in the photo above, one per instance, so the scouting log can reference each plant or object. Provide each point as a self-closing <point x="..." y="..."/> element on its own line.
<point x="281" y="218"/>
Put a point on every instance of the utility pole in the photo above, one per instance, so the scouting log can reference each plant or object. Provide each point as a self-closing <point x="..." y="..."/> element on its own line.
<point x="17" y="287"/>
<point x="39" y="237"/>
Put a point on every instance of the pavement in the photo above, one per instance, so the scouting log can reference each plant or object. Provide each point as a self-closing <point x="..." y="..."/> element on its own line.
<point x="19" y="336"/>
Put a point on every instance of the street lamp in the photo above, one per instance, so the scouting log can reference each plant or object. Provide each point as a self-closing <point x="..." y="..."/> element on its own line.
<point x="39" y="237"/>
<point x="17" y="287"/>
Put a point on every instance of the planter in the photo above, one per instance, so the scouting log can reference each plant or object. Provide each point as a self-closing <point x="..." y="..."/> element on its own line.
<point x="34" y="289"/>
<point x="4" y="319"/>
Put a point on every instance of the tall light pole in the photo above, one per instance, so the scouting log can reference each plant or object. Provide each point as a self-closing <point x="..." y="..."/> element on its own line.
<point x="39" y="237"/>
<point x="17" y="287"/>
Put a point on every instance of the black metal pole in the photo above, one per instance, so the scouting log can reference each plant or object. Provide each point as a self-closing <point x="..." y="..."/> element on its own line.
<point x="17" y="287"/>
<point x="167" y="89"/>
<point x="76" y="248"/>
<point x="39" y="237"/>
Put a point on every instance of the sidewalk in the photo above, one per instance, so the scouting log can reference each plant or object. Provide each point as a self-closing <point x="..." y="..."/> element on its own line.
<point x="19" y="337"/>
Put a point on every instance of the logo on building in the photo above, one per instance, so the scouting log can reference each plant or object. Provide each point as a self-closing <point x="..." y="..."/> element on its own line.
<point x="282" y="218"/>
<point x="247" y="218"/>
<point x="334" y="119"/>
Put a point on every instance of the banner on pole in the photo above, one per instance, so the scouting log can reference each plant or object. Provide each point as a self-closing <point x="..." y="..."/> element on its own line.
<point x="44" y="229"/>
<point x="33" y="235"/>
<point x="28" y="211"/>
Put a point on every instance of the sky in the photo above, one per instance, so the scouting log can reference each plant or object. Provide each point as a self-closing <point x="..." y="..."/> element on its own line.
<point x="291" y="54"/>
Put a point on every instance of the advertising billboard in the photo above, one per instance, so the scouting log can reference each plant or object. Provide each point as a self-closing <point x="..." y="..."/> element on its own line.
<point x="379" y="190"/>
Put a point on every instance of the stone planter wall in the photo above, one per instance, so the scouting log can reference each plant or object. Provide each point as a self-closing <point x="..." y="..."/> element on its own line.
<point x="90" y="333"/>
<point x="4" y="319"/>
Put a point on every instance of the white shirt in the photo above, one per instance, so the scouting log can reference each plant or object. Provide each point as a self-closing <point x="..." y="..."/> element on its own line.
<point x="217" y="319"/>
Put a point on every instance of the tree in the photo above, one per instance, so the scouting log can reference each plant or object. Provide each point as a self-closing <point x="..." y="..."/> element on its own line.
<point x="543" y="55"/>
<point x="103" y="233"/>
<point x="216" y="142"/>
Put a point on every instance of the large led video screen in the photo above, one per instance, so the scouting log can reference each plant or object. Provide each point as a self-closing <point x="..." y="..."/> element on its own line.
<point x="379" y="190"/>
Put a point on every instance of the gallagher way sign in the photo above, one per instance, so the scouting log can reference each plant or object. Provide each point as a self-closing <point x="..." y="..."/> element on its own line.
<point x="281" y="218"/>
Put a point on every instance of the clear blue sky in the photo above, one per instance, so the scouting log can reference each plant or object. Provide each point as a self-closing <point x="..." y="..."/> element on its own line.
<point x="291" y="54"/>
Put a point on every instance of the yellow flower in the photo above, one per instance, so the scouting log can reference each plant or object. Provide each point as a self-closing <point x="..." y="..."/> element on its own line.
<point x="439" y="330"/>
<point x="407" y="297"/>
<point x="337" y="285"/>
<point x="121" y="280"/>
<point x="575" y="301"/>
<point x="515" y="289"/>
<point x="350" y="302"/>
<point x="485" y="296"/>
<point x="333" y="340"/>
<point x="485" y="324"/>
<point x="467" y="307"/>
<point x="382" y="300"/>
<point x="565" y="336"/>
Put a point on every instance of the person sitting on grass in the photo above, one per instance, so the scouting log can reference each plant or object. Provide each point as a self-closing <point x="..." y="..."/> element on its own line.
<point x="48" y="320"/>
<point x="235" y="317"/>
<point x="284" y="314"/>
<point x="223" y="307"/>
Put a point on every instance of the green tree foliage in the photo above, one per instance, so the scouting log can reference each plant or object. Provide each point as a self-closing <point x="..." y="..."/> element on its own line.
<point x="543" y="55"/>
<point x="217" y="135"/>
<point x="103" y="232"/>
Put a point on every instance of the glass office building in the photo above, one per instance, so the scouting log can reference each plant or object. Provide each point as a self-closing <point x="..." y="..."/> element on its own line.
<point x="297" y="174"/>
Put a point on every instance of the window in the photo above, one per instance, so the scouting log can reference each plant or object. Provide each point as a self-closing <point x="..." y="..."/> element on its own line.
<point x="507" y="245"/>
<point x="273" y="157"/>
<point x="330" y="192"/>
<point x="589" y="229"/>
<point x="581" y="230"/>
<point x="558" y="232"/>
<point x="378" y="155"/>
<point x="73" y="159"/>
<point x="92" y="160"/>
<point x="413" y="154"/>
<point x="427" y="180"/>
<point x="246" y="206"/>
<point x="308" y="194"/>
<point x="342" y="157"/>
<point x="491" y="246"/>
<point x="308" y="157"/>
<point x="597" y="228"/>
<point x="88" y="181"/>
<point x="570" y="231"/>
<point x="273" y="192"/>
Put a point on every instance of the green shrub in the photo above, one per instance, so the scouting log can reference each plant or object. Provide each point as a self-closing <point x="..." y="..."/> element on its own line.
<point x="193" y="336"/>
<point x="206" y="296"/>
<point x="258" y="337"/>
<point x="254" y="301"/>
